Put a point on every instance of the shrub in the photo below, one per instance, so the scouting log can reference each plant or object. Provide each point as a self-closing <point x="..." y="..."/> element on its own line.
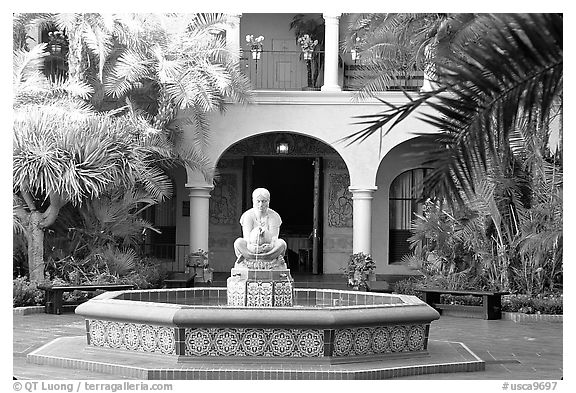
<point x="408" y="286"/>
<point x="148" y="273"/>
<point x="25" y="293"/>
<point x="551" y="303"/>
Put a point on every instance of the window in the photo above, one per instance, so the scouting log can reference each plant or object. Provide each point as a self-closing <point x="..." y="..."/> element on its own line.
<point x="405" y="193"/>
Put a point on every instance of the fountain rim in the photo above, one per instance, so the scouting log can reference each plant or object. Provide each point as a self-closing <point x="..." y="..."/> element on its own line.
<point x="108" y="306"/>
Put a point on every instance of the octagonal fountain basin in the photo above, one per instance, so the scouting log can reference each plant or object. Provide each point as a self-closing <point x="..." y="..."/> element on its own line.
<point x="322" y="326"/>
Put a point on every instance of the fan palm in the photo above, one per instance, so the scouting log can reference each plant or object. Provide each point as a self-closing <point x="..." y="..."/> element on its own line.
<point x="177" y="78"/>
<point x="394" y="45"/>
<point x="512" y="76"/>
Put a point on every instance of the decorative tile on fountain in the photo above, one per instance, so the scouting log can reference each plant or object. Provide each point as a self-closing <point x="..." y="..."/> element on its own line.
<point x="260" y="288"/>
<point x="379" y="340"/>
<point x="254" y="342"/>
<point x="131" y="336"/>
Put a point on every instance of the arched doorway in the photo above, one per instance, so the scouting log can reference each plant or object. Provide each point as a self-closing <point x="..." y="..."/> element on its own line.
<point x="293" y="168"/>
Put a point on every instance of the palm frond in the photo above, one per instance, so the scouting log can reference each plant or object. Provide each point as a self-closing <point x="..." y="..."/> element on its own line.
<point x="514" y="71"/>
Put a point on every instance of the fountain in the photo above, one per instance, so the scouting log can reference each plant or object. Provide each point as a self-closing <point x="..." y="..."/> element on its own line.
<point x="260" y="323"/>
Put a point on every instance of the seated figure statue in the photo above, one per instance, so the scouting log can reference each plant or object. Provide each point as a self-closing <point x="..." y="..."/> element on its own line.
<point x="260" y="247"/>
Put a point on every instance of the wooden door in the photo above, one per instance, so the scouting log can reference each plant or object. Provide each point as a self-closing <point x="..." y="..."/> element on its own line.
<point x="283" y="64"/>
<point x="317" y="220"/>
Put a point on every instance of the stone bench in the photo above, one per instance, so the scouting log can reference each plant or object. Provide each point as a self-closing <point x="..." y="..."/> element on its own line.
<point x="53" y="302"/>
<point x="180" y="280"/>
<point x="491" y="307"/>
<point x="378" y="287"/>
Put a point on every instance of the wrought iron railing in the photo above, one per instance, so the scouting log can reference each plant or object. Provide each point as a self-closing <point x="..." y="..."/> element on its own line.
<point x="172" y="255"/>
<point x="277" y="70"/>
<point x="355" y="76"/>
<point x="289" y="70"/>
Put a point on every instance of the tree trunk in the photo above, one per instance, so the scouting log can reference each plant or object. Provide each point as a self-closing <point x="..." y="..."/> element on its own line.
<point x="35" y="247"/>
<point x="75" y="52"/>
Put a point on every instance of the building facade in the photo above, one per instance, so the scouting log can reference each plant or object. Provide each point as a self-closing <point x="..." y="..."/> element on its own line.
<point x="335" y="198"/>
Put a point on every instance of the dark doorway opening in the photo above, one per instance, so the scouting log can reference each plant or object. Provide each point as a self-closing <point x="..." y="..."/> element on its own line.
<point x="291" y="184"/>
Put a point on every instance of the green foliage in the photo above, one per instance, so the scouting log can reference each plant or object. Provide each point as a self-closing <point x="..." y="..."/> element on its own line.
<point x="550" y="303"/>
<point x="108" y="266"/>
<point x="71" y="145"/>
<point x="197" y="259"/>
<point x="25" y="293"/>
<point x="359" y="266"/>
<point x="148" y="273"/>
<point x="408" y="286"/>
<point x="546" y="303"/>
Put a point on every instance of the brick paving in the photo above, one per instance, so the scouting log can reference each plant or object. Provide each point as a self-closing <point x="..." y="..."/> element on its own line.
<point x="511" y="350"/>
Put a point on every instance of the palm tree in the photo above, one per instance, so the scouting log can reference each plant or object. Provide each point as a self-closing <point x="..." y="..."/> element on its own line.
<point x="177" y="78"/>
<point x="394" y="45"/>
<point x="494" y="104"/>
<point x="192" y="72"/>
<point x="513" y="76"/>
<point x="64" y="152"/>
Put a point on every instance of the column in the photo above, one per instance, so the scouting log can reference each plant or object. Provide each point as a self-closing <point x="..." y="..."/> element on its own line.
<point x="362" y="218"/>
<point x="331" y="49"/>
<point x="233" y="39"/>
<point x="199" y="215"/>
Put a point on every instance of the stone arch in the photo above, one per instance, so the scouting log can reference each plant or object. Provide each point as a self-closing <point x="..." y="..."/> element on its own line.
<point x="231" y="193"/>
<point x="406" y="156"/>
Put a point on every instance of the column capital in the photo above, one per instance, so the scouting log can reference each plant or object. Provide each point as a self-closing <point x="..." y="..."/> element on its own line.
<point x="235" y="18"/>
<point x="362" y="192"/>
<point x="331" y="15"/>
<point x="199" y="190"/>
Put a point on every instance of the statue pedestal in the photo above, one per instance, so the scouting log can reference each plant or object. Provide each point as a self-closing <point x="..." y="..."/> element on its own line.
<point x="260" y="288"/>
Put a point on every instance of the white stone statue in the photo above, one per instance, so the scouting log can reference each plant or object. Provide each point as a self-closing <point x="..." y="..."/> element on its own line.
<point x="260" y="247"/>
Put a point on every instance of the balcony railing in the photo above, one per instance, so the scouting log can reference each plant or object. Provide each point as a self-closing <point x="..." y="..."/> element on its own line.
<point x="285" y="70"/>
<point x="275" y="70"/>
<point x="355" y="76"/>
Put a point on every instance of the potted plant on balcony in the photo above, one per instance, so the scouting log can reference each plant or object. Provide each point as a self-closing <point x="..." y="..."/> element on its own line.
<point x="359" y="270"/>
<point x="57" y="42"/>
<point x="307" y="45"/>
<point x="199" y="261"/>
<point x="312" y="26"/>
<point x="255" y="45"/>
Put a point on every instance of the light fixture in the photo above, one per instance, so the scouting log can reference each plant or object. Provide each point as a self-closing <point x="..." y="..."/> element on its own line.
<point x="355" y="51"/>
<point x="283" y="143"/>
<point x="282" y="147"/>
<point x="355" y="54"/>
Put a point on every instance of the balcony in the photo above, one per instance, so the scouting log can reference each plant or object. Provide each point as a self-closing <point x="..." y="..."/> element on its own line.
<point x="287" y="70"/>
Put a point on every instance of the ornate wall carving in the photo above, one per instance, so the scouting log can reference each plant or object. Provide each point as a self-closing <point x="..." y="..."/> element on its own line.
<point x="224" y="203"/>
<point x="339" y="200"/>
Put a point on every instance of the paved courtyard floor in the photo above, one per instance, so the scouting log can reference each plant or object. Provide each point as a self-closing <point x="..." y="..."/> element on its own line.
<point x="512" y="351"/>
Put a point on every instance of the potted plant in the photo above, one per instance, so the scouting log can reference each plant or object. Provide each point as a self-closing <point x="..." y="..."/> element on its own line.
<point x="199" y="261"/>
<point x="309" y="32"/>
<point x="57" y="42"/>
<point x="255" y="45"/>
<point x="359" y="270"/>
